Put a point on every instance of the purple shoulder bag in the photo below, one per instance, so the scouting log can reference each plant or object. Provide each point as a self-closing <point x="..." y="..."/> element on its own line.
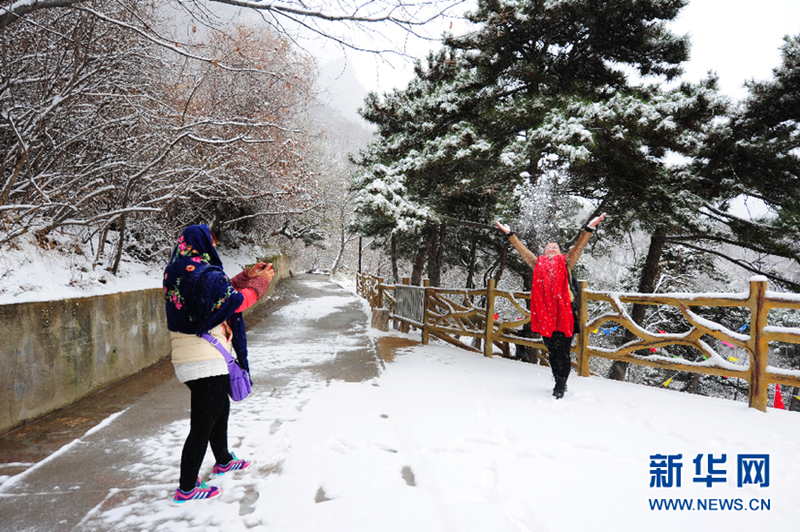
<point x="240" y="380"/>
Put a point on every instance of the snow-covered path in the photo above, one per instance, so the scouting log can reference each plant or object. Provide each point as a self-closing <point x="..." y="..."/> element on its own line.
<point x="445" y="440"/>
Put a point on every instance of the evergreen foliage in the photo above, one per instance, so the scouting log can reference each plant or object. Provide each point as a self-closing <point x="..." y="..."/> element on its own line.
<point x="565" y="100"/>
<point x="757" y="153"/>
<point x="540" y="89"/>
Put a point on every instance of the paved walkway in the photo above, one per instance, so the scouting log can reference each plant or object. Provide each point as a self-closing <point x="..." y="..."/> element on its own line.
<point x="91" y="472"/>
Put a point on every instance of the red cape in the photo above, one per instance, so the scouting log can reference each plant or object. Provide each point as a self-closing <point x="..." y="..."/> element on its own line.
<point x="551" y="308"/>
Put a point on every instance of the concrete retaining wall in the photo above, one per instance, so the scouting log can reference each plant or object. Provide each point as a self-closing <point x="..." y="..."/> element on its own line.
<point x="54" y="353"/>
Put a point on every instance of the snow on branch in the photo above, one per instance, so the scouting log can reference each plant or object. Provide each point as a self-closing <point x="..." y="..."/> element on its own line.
<point x="405" y="15"/>
<point x="271" y="213"/>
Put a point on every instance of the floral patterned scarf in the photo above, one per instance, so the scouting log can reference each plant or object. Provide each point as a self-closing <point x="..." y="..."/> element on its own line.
<point x="199" y="296"/>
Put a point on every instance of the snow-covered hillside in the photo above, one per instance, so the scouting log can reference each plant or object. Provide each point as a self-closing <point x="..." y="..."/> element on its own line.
<point x="31" y="272"/>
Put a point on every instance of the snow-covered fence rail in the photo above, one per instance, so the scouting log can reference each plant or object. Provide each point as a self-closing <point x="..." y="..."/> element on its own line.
<point x="368" y="287"/>
<point x="759" y="301"/>
<point x="453" y="314"/>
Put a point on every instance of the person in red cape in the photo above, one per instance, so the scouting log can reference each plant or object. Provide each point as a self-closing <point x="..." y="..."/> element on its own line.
<point x="551" y="298"/>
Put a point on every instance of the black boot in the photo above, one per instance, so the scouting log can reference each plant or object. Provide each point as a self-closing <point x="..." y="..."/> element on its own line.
<point x="561" y="387"/>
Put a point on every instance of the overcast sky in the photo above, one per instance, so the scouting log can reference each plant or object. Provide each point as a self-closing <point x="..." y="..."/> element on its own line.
<point x="738" y="39"/>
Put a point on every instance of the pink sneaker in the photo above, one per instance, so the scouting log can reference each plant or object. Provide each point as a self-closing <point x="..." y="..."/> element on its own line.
<point x="234" y="465"/>
<point x="201" y="491"/>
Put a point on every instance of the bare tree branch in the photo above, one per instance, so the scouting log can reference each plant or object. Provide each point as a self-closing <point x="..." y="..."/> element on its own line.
<point x="271" y="213"/>
<point x="17" y="10"/>
<point x="172" y="46"/>
<point x="683" y="239"/>
<point x="401" y="14"/>
<point x="747" y="266"/>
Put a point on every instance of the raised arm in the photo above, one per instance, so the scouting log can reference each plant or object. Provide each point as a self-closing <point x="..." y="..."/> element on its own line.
<point x="253" y="283"/>
<point x="575" y="251"/>
<point x="527" y="255"/>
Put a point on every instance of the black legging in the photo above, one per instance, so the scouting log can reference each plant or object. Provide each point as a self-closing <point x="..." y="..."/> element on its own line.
<point x="209" y="424"/>
<point x="558" y="349"/>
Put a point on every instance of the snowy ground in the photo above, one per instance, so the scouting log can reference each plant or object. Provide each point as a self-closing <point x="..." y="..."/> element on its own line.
<point x="442" y="440"/>
<point x="29" y="272"/>
<point x="446" y="440"/>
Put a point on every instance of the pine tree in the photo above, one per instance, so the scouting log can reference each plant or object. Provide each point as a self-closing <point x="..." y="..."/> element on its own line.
<point x="757" y="154"/>
<point x="481" y="118"/>
<point x="428" y="167"/>
<point x="562" y="66"/>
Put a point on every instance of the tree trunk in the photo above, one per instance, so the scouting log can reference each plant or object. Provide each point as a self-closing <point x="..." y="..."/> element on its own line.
<point x="434" y="254"/>
<point x="13" y="179"/>
<point x="120" y="244"/>
<point x="647" y="284"/>
<point x="502" y="267"/>
<point x="101" y="246"/>
<point x="694" y="384"/>
<point x="395" y="275"/>
<point x="340" y="254"/>
<point x="473" y="253"/>
<point x="440" y="252"/>
<point x="419" y="261"/>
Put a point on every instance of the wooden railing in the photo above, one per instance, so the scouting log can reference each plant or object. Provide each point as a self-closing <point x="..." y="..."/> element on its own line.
<point x="453" y="314"/>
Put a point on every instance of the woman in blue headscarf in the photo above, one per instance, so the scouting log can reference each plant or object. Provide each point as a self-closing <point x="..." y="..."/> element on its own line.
<point x="201" y="299"/>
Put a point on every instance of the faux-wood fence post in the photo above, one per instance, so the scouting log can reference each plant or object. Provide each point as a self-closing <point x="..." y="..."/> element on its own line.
<point x="404" y="327"/>
<point x="488" y="344"/>
<point x="425" y="332"/>
<point x="583" y="334"/>
<point x="379" y="295"/>
<point x="759" y="346"/>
